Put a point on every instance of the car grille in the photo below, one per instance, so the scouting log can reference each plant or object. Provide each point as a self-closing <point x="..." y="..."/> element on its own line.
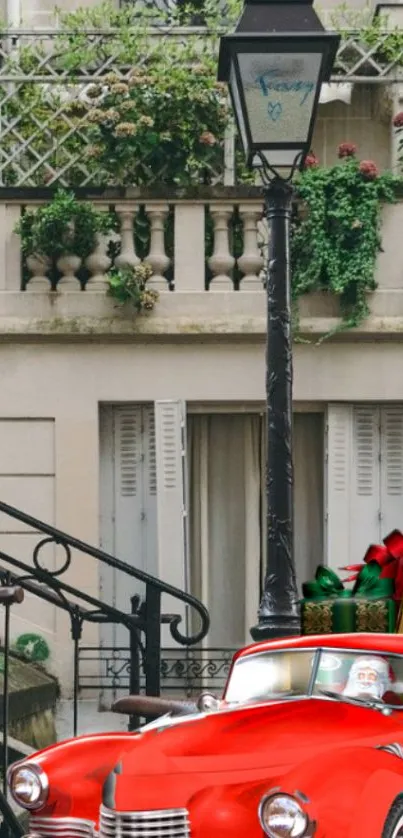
<point x="61" y="827"/>
<point x="155" y="823"/>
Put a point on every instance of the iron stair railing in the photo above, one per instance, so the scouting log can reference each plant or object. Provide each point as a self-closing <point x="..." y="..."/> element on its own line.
<point x="143" y="621"/>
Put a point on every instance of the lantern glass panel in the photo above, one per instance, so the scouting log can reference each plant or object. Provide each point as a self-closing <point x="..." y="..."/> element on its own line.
<point x="279" y="92"/>
<point x="236" y="102"/>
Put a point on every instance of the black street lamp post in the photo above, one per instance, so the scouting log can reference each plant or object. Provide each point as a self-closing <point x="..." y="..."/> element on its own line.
<point x="275" y="63"/>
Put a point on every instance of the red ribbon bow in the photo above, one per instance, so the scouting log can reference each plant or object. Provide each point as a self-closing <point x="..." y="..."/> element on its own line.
<point x="389" y="556"/>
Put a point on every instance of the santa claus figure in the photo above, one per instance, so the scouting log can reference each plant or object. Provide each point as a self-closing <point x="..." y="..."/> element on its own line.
<point x="368" y="677"/>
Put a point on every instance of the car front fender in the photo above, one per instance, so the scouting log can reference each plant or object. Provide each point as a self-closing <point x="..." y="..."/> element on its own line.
<point x="76" y="770"/>
<point x="348" y="791"/>
<point x="381" y="789"/>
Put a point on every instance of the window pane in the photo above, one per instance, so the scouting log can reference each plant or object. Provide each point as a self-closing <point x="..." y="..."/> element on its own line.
<point x="259" y="677"/>
<point x="362" y="676"/>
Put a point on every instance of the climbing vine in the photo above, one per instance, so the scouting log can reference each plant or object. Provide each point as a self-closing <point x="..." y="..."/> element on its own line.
<point x="336" y="233"/>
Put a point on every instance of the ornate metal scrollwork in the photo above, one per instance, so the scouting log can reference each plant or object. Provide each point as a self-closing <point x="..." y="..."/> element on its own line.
<point x="57" y="542"/>
<point x="180" y="670"/>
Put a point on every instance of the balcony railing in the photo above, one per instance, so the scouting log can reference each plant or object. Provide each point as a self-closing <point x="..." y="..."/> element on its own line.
<point x="214" y="243"/>
<point x="201" y="247"/>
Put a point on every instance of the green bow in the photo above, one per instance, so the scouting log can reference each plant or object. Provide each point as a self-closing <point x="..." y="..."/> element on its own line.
<point x="327" y="585"/>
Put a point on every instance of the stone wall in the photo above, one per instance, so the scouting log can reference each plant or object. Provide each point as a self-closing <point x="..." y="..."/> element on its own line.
<point x="32" y="702"/>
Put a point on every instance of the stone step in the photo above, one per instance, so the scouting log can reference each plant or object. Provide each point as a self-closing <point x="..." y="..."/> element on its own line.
<point x="90" y="719"/>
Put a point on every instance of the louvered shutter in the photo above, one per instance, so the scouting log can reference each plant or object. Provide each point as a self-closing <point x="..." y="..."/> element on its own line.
<point x="391" y="468"/>
<point x="149" y="490"/>
<point x="170" y="436"/>
<point x="365" y="497"/>
<point x="129" y="504"/>
<point x="337" y="484"/>
<point x="352" y="482"/>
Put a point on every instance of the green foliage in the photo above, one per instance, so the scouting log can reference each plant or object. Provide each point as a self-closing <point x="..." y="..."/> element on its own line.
<point x="62" y="226"/>
<point x="168" y="127"/>
<point x="336" y="230"/>
<point x="374" y="32"/>
<point x="129" y="285"/>
<point x="131" y="19"/>
<point x="171" y="125"/>
<point x="168" y="118"/>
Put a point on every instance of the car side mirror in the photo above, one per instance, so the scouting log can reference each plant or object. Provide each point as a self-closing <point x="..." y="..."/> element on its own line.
<point x="207" y="702"/>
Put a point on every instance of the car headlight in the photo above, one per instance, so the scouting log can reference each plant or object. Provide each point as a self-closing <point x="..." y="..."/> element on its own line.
<point x="28" y="785"/>
<point x="281" y="816"/>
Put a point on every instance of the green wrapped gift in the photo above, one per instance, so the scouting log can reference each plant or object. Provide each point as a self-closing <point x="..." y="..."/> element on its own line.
<point x="329" y="608"/>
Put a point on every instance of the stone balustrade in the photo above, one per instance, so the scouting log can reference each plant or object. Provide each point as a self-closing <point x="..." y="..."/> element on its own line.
<point x="194" y="246"/>
<point x="208" y="249"/>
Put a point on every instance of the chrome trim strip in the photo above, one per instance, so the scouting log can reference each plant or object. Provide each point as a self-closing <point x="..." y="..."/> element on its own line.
<point x="152" y="823"/>
<point x="62" y="827"/>
<point x="63" y="821"/>
<point x="146" y="814"/>
<point x="392" y="748"/>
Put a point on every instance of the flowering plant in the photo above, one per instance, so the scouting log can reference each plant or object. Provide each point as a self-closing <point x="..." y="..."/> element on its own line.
<point x="336" y="238"/>
<point x="130" y="285"/>
<point x="165" y="121"/>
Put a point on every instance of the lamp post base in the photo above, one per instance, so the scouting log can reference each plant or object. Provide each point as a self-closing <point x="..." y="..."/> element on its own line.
<point x="276" y="627"/>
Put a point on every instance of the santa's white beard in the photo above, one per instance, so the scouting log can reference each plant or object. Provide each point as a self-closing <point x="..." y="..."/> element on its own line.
<point x="360" y="688"/>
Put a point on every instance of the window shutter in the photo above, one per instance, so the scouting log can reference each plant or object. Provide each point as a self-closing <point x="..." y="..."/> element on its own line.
<point x="365" y="500"/>
<point x="123" y="503"/>
<point x="170" y="436"/>
<point x="133" y="519"/>
<point x="391" y="468"/>
<point x="352" y="482"/>
<point x="128" y="506"/>
<point x="338" y="446"/>
<point x="135" y="505"/>
<point x="128" y="433"/>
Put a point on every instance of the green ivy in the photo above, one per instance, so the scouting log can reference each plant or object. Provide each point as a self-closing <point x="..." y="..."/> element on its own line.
<point x="336" y="230"/>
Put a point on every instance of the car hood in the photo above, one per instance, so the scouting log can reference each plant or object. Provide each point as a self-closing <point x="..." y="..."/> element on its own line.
<point x="253" y="737"/>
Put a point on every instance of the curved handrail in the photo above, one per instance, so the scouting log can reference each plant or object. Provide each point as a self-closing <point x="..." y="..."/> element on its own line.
<point x="114" y="614"/>
<point x="61" y="538"/>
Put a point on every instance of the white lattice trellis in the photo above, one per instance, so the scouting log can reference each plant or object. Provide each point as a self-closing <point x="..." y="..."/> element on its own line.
<point x="43" y="140"/>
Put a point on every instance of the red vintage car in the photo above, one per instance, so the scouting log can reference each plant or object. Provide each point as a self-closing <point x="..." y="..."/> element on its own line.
<point x="307" y="741"/>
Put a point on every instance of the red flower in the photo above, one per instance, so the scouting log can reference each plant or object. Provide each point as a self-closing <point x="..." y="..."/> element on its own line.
<point x="369" y="169"/>
<point x="207" y="138"/>
<point x="398" y="120"/>
<point x="311" y="161"/>
<point x="346" y="150"/>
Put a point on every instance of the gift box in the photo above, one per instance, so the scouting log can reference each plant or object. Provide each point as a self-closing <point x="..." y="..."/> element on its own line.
<point x="389" y="558"/>
<point x="329" y="608"/>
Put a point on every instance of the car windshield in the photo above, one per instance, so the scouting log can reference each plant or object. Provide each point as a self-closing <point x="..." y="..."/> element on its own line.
<point x="350" y="676"/>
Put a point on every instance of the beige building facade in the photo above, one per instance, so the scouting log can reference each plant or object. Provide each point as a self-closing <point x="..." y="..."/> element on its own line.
<point x="146" y="435"/>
